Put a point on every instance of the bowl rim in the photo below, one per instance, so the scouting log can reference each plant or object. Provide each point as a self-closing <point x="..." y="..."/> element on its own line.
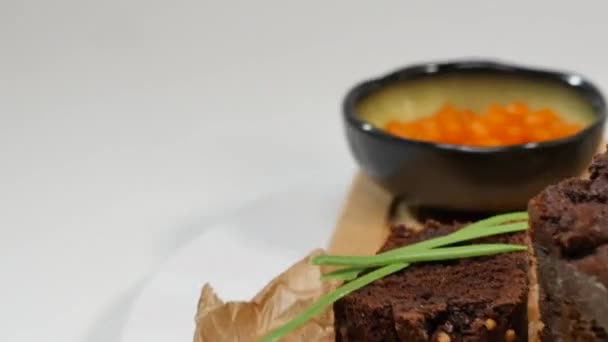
<point x="591" y="93"/>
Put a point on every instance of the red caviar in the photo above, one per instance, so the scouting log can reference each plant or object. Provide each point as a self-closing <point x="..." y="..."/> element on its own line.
<point x="499" y="125"/>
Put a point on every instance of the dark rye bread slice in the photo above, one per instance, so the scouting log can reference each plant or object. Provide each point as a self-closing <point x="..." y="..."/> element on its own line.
<point x="480" y="299"/>
<point x="569" y="229"/>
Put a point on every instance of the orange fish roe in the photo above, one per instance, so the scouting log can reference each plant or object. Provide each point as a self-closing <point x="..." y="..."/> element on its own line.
<point x="498" y="126"/>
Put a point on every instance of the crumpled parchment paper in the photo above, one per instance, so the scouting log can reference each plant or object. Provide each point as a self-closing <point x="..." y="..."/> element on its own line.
<point x="281" y="300"/>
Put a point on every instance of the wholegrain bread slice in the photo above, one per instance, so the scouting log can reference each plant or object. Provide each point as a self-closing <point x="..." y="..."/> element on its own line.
<point x="478" y="299"/>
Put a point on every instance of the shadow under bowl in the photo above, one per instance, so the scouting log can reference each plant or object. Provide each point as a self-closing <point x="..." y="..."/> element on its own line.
<point x="465" y="178"/>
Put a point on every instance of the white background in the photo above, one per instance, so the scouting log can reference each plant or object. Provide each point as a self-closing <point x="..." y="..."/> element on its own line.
<point x="127" y="126"/>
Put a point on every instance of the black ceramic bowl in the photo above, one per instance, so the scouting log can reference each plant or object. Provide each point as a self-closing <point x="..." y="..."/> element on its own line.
<point x="464" y="178"/>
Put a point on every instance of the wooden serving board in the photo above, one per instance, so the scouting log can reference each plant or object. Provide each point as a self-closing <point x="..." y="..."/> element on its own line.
<point x="366" y="217"/>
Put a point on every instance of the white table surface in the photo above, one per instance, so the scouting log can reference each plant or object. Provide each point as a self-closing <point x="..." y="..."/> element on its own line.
<point x="127" y="126"/>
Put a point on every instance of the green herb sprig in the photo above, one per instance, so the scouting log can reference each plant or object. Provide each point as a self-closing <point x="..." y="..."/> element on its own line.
<point x="384" y="264"/>
<point x="470" y="232"/>
<point x="437" y="254"/>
